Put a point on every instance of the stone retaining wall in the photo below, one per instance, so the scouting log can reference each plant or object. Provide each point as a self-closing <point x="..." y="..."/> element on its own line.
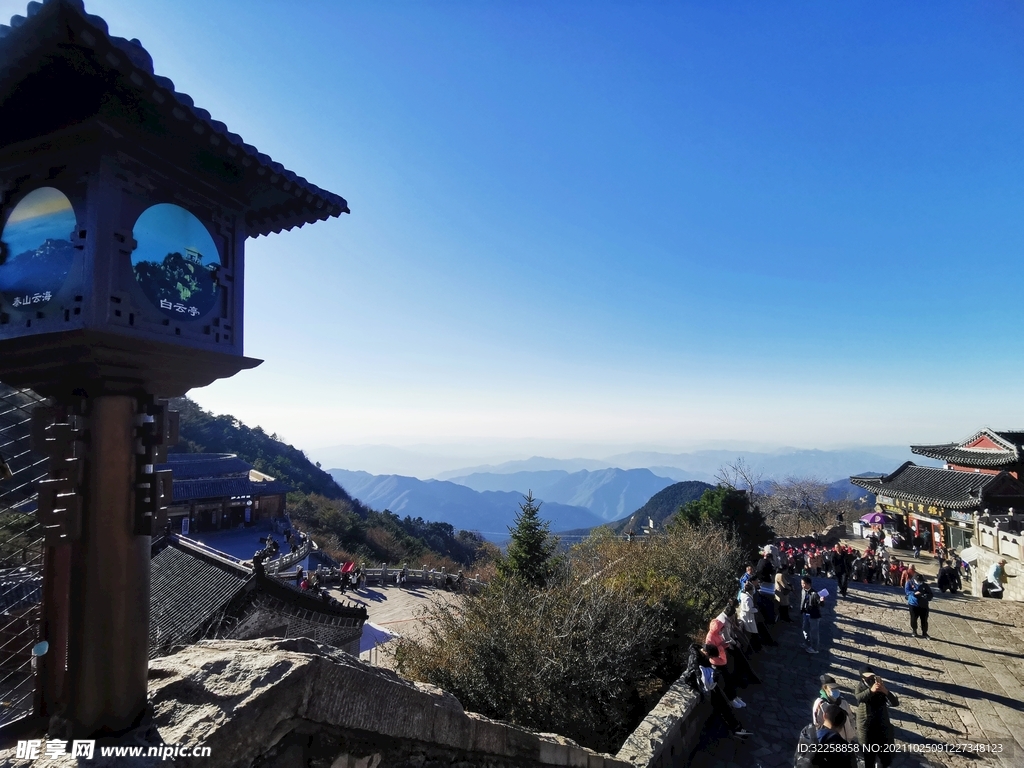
<point x="669" y="734"/>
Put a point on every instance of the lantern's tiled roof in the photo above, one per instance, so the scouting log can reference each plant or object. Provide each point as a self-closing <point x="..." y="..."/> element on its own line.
<point x="276" y="198"/>
<point x="949" y="488"/>
<point x="1010" y="450"/>
<point x="226" y="487"/>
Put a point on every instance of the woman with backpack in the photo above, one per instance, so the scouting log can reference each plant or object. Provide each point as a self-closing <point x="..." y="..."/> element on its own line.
<point x="702" y="675"/>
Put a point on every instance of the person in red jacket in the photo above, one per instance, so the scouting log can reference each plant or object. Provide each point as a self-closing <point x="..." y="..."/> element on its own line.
<point x="720" y="662"/>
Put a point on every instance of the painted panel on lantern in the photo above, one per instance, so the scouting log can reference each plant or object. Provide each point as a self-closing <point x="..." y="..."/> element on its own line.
<point x="37" y="250"/>
<point x="175" y="261"/>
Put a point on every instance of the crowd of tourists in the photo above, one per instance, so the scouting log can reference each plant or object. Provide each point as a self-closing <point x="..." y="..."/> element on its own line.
<point x="720" y="666"/>
<point x="778" y="588"/>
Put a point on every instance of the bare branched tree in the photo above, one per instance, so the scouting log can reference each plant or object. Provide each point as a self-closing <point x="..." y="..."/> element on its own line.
<point x="743" y="477"/>
<point x="800" y="505"/>
<point x="792" y="507"/>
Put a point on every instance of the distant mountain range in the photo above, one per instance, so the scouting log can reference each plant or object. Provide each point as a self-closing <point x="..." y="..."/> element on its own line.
<point x="533" y="464"/>
<point x="40" y="270"/>
<point x="490" y="513"/>
<point x="608" y="493"/>
<point x="704" y="465"/>
<point x="658" y="509"/>
<point x="579" y="494"/>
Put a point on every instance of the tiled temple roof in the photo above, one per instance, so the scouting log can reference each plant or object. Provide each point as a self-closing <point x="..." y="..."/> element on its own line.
<point x="188" y="589"/>
<point x="953" y="453"/>
<point x="1010" y="450"/>
<point x="60" y="34"/>
<point x="194" y="592"/>
<point x="194" y="466"/>
<point x="222" y="487"/>
<point x="946" y="487"/>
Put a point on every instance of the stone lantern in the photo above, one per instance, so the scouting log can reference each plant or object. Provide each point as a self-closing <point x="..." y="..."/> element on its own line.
<point x="125" y="210"/>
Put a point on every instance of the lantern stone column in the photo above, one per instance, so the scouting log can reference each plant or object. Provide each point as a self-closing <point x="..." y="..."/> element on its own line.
<point x="109" y="629"/>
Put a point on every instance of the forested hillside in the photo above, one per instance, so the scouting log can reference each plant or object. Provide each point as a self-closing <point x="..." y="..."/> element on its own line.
<point x="202" y="431"/>
<point x="662" y="505"/>
<point x="344" y="527"/>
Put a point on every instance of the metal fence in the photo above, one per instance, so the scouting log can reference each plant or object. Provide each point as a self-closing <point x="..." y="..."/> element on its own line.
<point x="21" y="551"/>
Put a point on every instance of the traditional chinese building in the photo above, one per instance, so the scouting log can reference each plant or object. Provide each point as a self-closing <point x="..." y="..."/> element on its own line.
<point x="981" y="476"/>
<point x="219" y="490"/>
<point x="199" y="593"/>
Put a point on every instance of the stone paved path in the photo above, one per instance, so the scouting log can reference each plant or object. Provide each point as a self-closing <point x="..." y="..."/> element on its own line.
<point x="967" y="684"/>
<point x="398" y="611"/>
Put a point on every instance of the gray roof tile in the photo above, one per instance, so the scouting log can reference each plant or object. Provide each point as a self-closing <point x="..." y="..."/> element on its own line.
<point x="187" y="591"/>
<point x="195" y="466"/>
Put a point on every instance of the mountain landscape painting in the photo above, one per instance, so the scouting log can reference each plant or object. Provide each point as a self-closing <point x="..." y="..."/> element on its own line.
<point x="175" y="261"/>
<point x="37" y="250"/>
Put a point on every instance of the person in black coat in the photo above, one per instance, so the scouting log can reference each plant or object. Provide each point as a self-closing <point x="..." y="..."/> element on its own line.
<point x="949" y="578"/>
<point x="841" y="566"/>
<point x="764" y="571"/>
<point x="873" y="724"/>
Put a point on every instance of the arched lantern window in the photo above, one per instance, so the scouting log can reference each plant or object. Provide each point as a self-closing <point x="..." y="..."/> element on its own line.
<point x="37" y="252"/>
<point x="176" y="261"/>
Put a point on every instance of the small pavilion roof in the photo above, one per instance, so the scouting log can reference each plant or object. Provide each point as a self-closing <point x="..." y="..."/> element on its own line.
<point x="949" y="488"/>
<point x="60" y="66"/>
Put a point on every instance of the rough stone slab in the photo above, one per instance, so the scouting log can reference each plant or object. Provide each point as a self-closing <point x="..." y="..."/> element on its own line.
<point x="265" y="703"/>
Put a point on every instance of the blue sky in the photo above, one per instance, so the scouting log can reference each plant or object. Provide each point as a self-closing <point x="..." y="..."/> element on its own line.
<point x="652" y="224"/>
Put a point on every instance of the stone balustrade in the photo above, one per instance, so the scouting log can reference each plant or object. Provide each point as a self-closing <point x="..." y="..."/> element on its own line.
<point x="288" y="559"/>
<point x="1003" y="538"/>
<point x="384" y="575"/>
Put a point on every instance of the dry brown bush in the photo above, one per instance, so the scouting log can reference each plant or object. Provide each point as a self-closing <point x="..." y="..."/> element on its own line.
<point x="386" y="543"/>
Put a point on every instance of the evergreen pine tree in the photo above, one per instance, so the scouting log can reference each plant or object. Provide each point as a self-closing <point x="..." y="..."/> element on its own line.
<point x="531" y="547"/>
